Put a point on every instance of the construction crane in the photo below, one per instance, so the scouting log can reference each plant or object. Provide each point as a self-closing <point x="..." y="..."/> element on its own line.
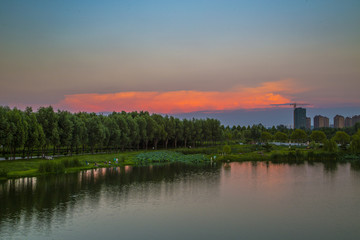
<point x="292" y="104"/>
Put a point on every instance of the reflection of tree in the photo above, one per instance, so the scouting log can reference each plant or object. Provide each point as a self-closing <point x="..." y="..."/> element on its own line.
<point x="330" y="166"/>
<point x="355" y="165"/>
<point x="29" y="201"/>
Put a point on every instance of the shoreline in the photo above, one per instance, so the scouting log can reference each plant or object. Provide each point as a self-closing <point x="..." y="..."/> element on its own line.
<point x="12" y="169"/>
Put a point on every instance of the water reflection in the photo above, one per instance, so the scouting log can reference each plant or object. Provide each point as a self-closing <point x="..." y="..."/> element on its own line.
<point x="222" y="201"/>
<point x="30" y="202"/>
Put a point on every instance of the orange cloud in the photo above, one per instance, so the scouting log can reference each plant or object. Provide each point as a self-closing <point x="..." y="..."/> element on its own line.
<point x="183" y="101"/>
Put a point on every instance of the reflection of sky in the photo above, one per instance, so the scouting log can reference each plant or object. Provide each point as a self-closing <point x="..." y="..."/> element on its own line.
<point x="286" y="201"/>
<point x="54" y="50"/>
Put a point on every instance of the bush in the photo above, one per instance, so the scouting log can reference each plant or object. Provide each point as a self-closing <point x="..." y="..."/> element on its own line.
<point x="268" y="147"/>
<point x="71" y="163"/>
<point x="4" y="172"/>
<point x="52" y="167"/>
<point x="330" y="146"/>
<point x="227" y="149"/>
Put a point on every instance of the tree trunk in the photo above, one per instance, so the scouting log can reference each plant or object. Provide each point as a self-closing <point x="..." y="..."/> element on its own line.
<point x="156" y="143"/>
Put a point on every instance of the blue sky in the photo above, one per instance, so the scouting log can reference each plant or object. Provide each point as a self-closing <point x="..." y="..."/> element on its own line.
<point x="54" y="49"/>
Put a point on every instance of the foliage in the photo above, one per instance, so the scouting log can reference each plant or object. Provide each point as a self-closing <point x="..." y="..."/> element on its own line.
<point x="281" y="137"/>
<point x="52" y="167"/>
<point x="355" y="144"/>
<point x="68" y="163"/>
<point x="227" y="149"/>
<point x="342" y="138"/>
<point x="330" y="146"/>
<point x="169" y="156"/>
<point x="318" y="136"/>
<point x="48" y="132"/>
<point x="4" y="172"/>
<point x="266" y="137"/>
<point x="299" y="136"/>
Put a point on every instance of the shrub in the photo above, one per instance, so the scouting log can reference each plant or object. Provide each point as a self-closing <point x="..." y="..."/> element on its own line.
<point x="227" y="149"/>
<point x="52" y="167"/>
<point x="4" y="172"/>
<point x="330" y="146"/>
<point x="71" y="163"/>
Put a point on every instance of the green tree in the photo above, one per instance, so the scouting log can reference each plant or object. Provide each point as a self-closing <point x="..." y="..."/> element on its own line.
<point x="355" y="143"/>
<point x="159" y="131"/>
<point x="35" y="134"/>
<point x="65" y="129"/>
<point x="266" y="137"/>
<point x="141" y="122"/>
<point x="228" y="134"/>
<point x="318" y="136"/>
<point x="342" y="138"/>
<point x="215" y="129"/>
<point x="4" y="127"/>
<point x="78" y="132"/>
<point x="48" y="121"/>
<point x="150" y="129"/>
<point x="169" y="129"/>
<point x="179" y="131"/>
<point x="281" y="137"/>
<point x="96" y="133"/>
<point x="17" y="130"/>
<point x="197" y="133"/>
<point x="299" y="136"/>
<point x="114" y="133"/>
<point x="187" y="130"/>
<point x="227" y="149"/>
<point x="134" y="131"/>
<point x="124" y="129"/>
<point x="330" y="145"/>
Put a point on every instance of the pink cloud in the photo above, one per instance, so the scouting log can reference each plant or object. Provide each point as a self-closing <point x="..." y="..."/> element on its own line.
<point x="183" y="101"/>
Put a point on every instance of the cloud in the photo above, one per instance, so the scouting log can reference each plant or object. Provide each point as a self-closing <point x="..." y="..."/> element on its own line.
<point x="261" y="96"/>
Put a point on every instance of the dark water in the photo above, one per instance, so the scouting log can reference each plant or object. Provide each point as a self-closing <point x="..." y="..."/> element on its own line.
<point x="238" y="201"/>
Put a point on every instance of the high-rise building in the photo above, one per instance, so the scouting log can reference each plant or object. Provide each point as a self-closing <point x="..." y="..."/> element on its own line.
<point x="348" y="122"/>
<point x="321" y="121"/>
<point x="299" y="118"/>
<point x="339" y="121"/>
<point x="308" y="123"/>
<point x="355" y="119"/>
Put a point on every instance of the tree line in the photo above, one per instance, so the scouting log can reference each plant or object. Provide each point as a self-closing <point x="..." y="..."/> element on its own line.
<point x="61" y="132"/>
<point x="47" y="132"/>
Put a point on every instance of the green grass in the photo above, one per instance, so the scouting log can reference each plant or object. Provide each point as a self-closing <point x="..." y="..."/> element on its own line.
<point x="239" y="153"/>
<point x="169" y="156"/>
<point x="30" y="168"/>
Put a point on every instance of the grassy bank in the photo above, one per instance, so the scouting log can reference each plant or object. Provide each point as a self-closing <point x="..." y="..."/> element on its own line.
<point x="36" y="167"/>
<point x="238" y="153"/>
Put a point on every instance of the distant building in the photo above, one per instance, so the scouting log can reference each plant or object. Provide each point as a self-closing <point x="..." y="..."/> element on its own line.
<point x="321" y="121"/>
<point x="308" y="123"/>
<point x="299" y="118"/>
<point x="348" y="122"/>
<point x="339" y="121"/>
<point x="355" y="119"/>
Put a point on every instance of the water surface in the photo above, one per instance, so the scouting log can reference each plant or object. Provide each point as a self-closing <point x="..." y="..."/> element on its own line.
<point x="236" y="201"/>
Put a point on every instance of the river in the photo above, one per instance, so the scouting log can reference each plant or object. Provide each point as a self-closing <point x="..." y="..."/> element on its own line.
<point x="233" y="201"/>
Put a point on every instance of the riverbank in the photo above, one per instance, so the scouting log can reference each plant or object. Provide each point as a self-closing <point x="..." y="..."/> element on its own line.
<point x="236" y="153"/>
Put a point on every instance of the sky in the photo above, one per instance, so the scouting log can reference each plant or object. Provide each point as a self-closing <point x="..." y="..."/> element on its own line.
<point x="177" y="57"/>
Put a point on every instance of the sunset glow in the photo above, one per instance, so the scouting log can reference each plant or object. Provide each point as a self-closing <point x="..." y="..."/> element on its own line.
<point x="182" y="101"/>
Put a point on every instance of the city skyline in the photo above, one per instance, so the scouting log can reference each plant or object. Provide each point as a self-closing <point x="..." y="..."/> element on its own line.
<point x="180" y="57"/>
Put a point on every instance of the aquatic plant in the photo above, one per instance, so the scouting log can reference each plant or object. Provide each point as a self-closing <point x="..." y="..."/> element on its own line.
<point x="169" y="156"/>
<point x="52" y="167"/>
